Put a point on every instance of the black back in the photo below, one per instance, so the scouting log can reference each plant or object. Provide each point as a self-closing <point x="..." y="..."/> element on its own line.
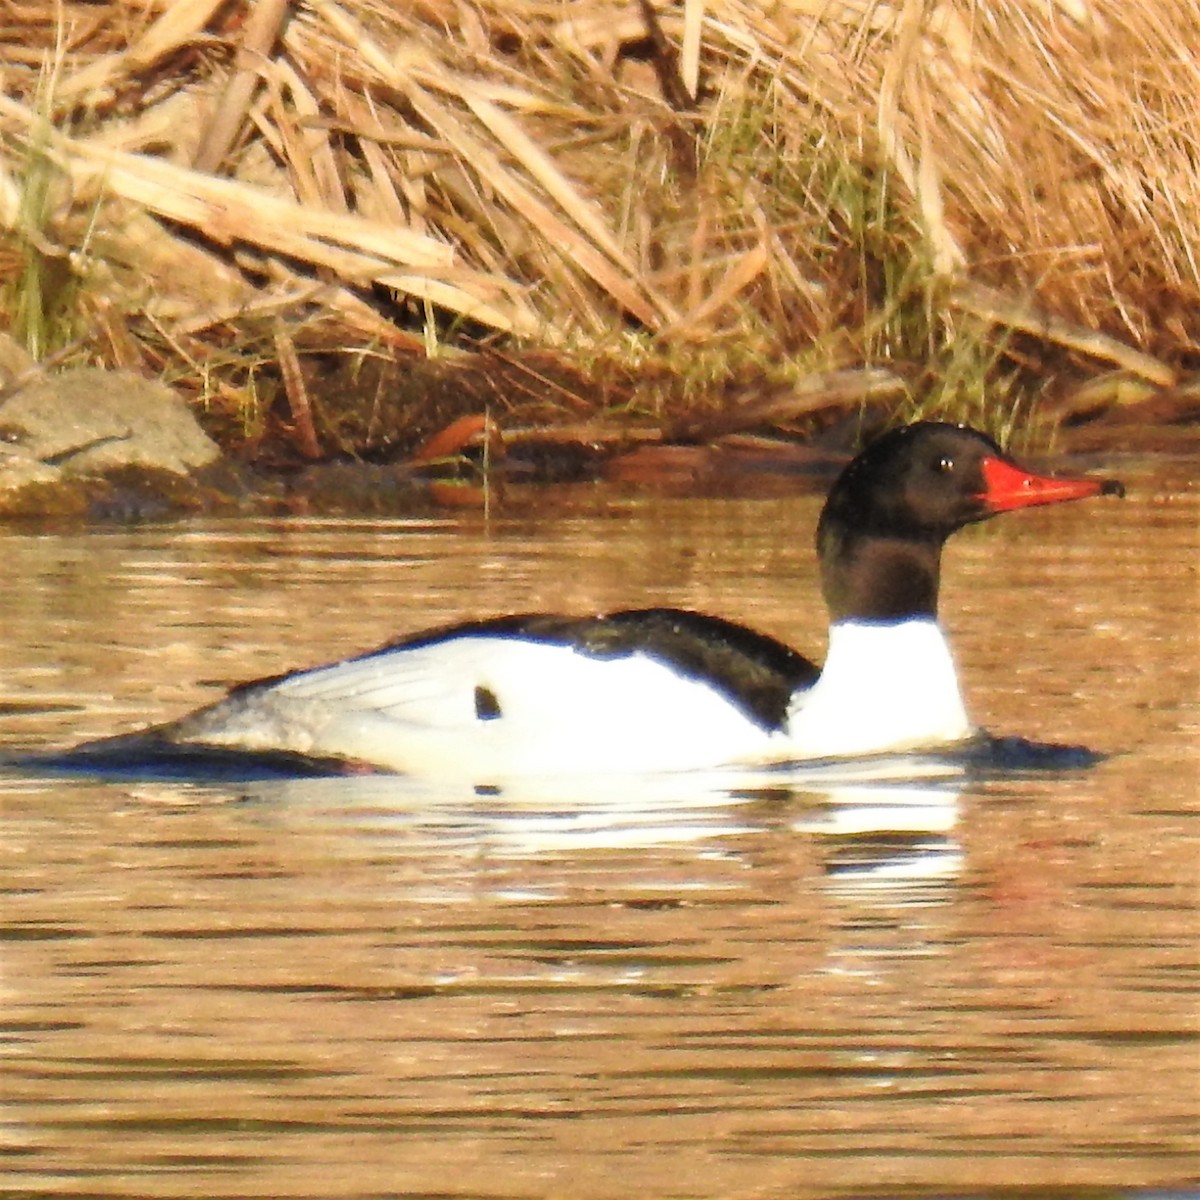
<point x="755" y="672"/>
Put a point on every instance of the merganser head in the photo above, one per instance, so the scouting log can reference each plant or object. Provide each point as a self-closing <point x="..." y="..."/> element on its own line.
<point x="882" y="528"/>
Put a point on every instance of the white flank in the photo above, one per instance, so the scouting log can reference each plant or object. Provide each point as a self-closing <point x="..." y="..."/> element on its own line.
<point x="560" y="711"/>
<point x="883" y="687"/>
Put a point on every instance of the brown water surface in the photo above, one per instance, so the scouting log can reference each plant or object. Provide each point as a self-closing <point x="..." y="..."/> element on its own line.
<point x="359" y="987"/>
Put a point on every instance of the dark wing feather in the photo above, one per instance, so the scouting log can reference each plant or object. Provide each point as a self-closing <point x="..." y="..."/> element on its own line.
<point x="754" y="671"/>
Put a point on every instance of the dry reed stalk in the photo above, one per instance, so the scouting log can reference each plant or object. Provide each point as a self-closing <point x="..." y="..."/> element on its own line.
<point x="739" y="276"/>
<point x="307" y="442"/>
<point x="229" y="211"/>
<point x="588" y="246"/>
<point x="305" y="144"/>
<point x="1000" y="309"/>
<point x="263" y="29"/>
<point x="180" y="23"/>
<point x="693" y="24"/>
<point x="825" y="388"/>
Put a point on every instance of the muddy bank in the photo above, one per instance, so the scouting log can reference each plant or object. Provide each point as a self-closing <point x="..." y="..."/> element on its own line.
<point x="411" y="434"/>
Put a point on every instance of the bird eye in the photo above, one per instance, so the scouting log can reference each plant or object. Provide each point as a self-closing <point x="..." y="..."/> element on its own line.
<point x="944" y="465"/>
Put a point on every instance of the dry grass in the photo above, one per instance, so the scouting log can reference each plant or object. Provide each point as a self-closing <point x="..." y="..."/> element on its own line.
<point x="798" y="187"/>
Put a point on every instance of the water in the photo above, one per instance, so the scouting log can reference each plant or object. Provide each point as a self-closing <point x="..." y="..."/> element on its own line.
<point x="359" y="988"/>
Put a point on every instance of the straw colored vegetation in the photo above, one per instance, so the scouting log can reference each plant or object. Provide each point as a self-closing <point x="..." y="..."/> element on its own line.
<point x="357" y="221"/>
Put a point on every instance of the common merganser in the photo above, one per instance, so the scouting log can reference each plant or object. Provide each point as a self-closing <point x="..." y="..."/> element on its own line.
<point x="664" y="689"/>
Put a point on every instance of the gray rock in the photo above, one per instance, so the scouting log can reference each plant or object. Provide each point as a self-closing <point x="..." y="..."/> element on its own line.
<point x="89" y="421"/>
<point x="20" y="469"/>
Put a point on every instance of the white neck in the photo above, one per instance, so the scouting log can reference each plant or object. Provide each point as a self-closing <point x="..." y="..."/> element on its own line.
<point x="884" y="686"/>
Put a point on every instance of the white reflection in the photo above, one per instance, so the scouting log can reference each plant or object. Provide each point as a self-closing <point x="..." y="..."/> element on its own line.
<point x="873" y="823"/>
